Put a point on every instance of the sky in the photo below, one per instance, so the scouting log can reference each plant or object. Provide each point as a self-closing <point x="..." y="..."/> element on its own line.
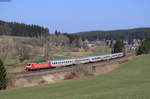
<point x="78" y="15"/>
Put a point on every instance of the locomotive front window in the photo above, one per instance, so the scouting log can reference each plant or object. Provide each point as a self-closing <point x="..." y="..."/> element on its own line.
<point x="28" y="64"/>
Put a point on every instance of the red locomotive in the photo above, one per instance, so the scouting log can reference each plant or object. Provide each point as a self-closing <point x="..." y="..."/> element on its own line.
<point x="38" y="65"/>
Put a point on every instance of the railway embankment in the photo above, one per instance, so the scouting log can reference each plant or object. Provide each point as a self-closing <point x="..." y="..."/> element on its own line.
<point x="32" y="78"/>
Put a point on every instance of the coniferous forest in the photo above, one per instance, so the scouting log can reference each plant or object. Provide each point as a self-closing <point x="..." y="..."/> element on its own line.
<point x="21" y="29"/>
<point x="128" y="34"/>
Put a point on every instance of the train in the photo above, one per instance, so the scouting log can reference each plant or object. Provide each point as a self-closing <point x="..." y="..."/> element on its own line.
<point x="67" y="62"/>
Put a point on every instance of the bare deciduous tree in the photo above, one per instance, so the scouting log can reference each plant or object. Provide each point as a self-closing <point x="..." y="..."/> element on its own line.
<point x="6" y="44"/>
<point x="5" y="29"/>
<point x="24" y="51"/>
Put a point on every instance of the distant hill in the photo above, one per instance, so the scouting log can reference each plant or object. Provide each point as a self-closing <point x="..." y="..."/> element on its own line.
<point x="129" y="34"/>
<point x="21" y="29"/>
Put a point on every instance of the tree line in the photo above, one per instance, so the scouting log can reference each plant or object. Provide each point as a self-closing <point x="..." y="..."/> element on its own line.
<point x="129" y="34"/>
<point x="21" y="29"/>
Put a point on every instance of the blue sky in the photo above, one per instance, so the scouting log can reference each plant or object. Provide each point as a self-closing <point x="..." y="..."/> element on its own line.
<point x="78" y="15"/>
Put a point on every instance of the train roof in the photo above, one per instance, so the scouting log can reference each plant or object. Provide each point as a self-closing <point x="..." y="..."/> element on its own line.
<point x="86" y="57"/>
<point x="62" y="60"/>
<point x="41" y="61"/>
<point x="73" y="59"/>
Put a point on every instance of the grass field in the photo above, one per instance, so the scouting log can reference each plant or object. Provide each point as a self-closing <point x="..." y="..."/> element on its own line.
<point x="18" y="38"/>
<point x="130" y="81"/>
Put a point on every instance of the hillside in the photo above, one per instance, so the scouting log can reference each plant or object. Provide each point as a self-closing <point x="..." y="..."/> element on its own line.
<point x="130" y="81"/>
<point x="129" y="34"/>
<point x="17" y="50"/>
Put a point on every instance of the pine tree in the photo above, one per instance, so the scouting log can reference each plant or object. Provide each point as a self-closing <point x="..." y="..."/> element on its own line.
<point x="3" y="80"/>
<point x="57" y="32"/>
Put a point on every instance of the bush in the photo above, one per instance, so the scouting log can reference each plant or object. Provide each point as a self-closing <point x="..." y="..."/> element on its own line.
<point x="69" y="76"/>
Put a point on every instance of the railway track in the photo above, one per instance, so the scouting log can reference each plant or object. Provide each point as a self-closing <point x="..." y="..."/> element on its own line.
<point x="30" y="74"/>
<point x="37" y="73"/>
